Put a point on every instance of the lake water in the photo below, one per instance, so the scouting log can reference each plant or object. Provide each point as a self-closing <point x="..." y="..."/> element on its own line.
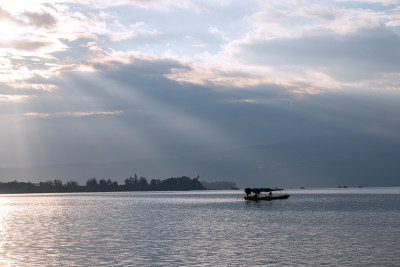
<point x="333" y="227"/>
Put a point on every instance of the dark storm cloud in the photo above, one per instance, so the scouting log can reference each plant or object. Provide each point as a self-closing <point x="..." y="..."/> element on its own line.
<point x="298" y="141"/>
<point x="352" y="57"/>
<point x="152" y="105"/>
<point x="127" y="86"/>
<point x="274" y="114"/>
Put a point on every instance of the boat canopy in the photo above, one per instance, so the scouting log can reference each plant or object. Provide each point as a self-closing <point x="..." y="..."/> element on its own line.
<point x="258" y="190"/>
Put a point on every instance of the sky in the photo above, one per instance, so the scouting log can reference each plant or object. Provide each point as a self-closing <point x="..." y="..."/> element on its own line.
<point x="257" y="92"/>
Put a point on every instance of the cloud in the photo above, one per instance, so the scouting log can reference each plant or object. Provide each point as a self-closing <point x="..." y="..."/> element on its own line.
<point x="135" y="30"/>
<point x="48" y="87"/>
<point x="223" y="79"/>
<point x="26" y="44"/>
<point x="4" y="15"/>
<point x="38" y="19"/>
<point x="121" y="36"/>
<point x="216" y="31"/>
<point x="128" y="107"/>
<point x="363" y="55"/>
<point x="380" y="2"/>
<point x="14" y="98"/>
<point x="162" y="4"/>
<point x="41" y="19"/>
<point x="71" y="114"/>
<point x="296" y="37"/>
<point x="275" y="20"/>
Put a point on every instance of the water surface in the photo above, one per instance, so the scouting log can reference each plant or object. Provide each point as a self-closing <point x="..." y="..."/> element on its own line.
<point x="330" y="227"/>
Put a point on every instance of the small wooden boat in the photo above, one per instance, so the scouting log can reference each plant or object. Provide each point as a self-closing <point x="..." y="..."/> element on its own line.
<point x="257" y="194"/>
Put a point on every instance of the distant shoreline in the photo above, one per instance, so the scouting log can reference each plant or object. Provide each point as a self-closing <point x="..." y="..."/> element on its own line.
<point x="92" y="185"/>
<point x="182" y="183"/>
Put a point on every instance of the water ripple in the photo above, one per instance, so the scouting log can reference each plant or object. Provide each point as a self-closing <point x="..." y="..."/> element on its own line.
<point x="198" y="229"/>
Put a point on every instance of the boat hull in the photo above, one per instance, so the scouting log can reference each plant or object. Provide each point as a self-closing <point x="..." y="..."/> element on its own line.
<point x="267" y="198"/>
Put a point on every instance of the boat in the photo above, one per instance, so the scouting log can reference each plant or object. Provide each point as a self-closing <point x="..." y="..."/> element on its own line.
<point x="258" y="196"/>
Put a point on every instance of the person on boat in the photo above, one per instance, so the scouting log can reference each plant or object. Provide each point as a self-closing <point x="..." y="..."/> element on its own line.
<point x="247" y="191"/>
<point x="270" y="193"/>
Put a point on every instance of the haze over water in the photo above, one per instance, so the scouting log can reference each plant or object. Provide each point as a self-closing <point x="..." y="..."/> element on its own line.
<point x="334" y="227"/>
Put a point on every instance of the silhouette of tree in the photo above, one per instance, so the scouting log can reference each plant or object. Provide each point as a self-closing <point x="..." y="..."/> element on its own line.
<point x="91" y="185"/>
<point x="130" y="184"/>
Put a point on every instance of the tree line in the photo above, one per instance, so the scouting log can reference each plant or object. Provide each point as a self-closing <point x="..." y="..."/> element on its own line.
<point x="103" y="185"/>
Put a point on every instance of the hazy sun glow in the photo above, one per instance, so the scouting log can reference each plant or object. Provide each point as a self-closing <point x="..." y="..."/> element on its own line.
<point x="9" y="32"/>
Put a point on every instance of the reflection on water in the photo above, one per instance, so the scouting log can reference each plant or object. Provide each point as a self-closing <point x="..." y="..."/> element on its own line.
<point x="212" y="228"/>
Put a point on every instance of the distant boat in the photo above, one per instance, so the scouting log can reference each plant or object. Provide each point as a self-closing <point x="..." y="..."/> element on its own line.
<point x="258" y="196"/>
